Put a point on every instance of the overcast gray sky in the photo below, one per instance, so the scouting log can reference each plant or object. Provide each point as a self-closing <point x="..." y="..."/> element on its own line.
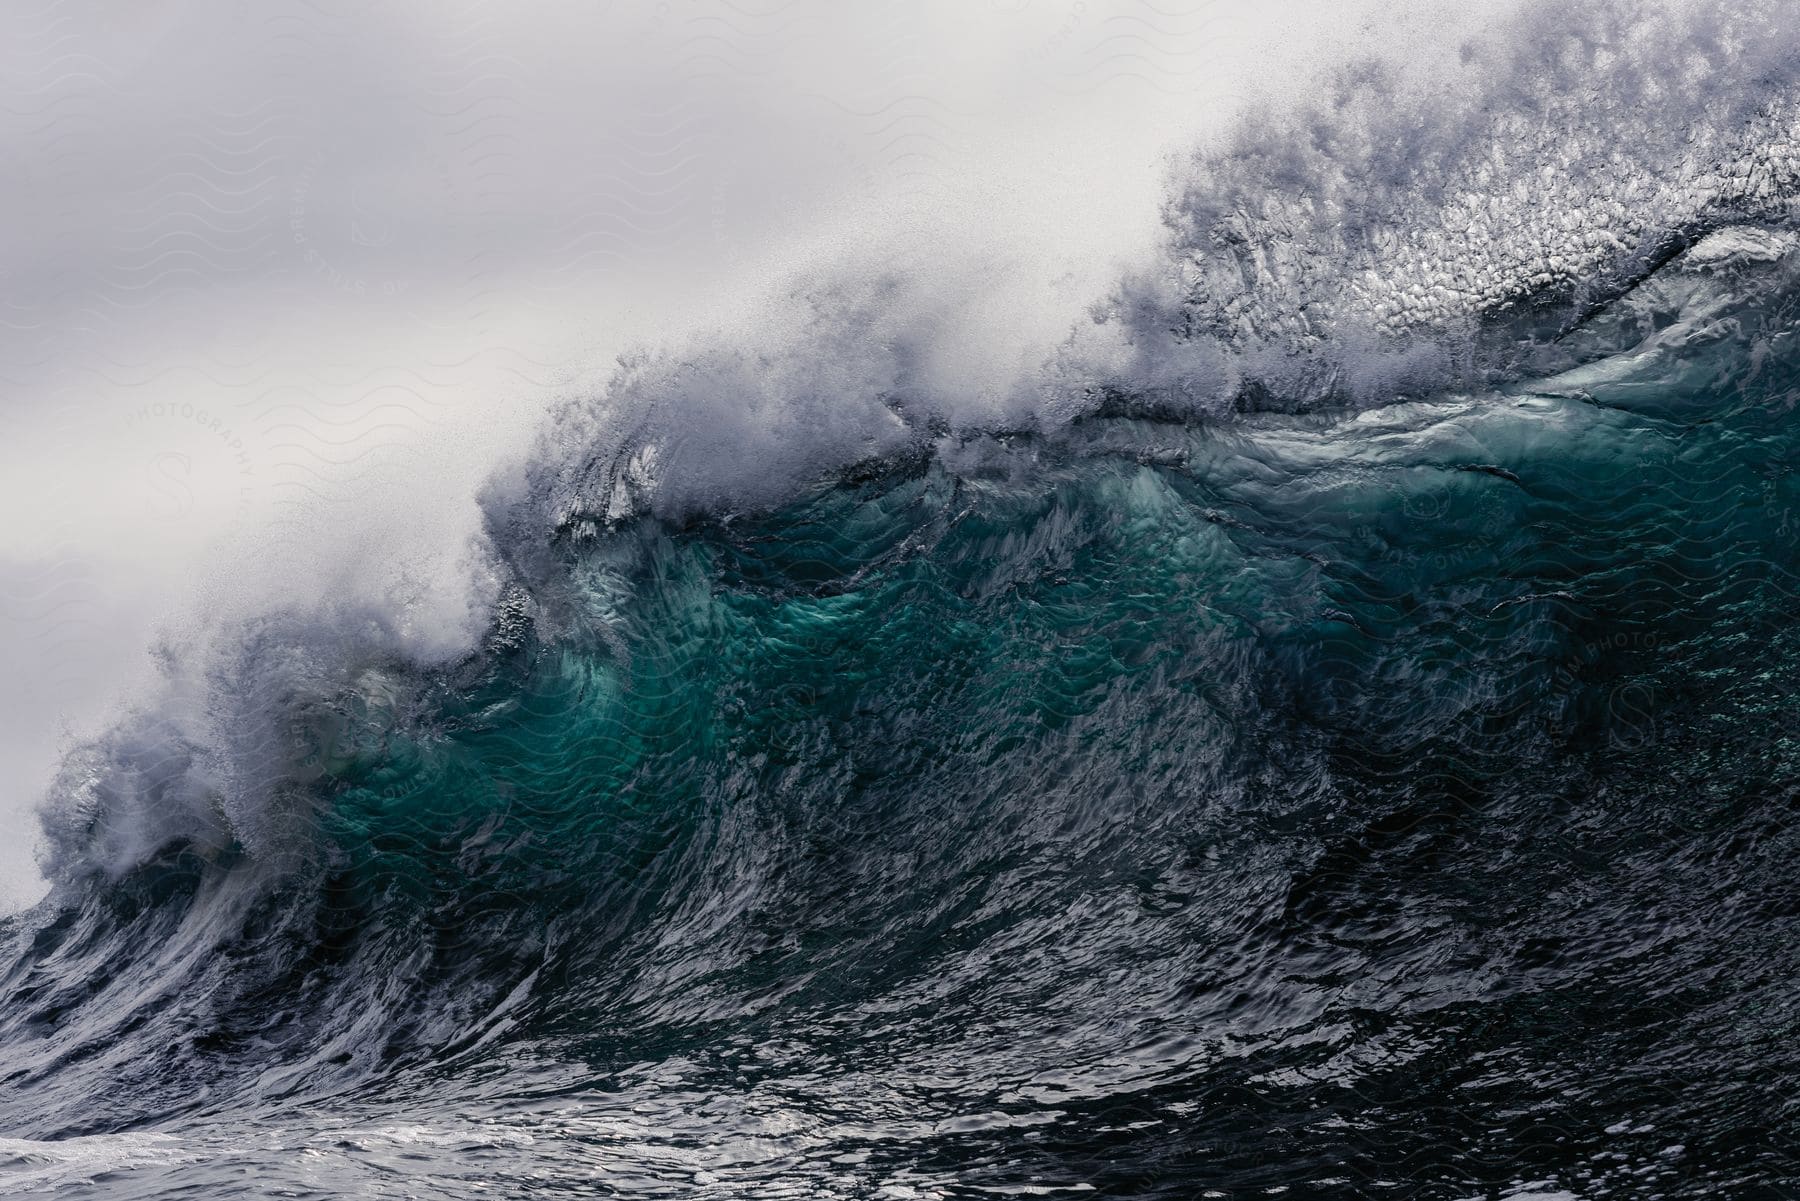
<point x="282" y="279"/>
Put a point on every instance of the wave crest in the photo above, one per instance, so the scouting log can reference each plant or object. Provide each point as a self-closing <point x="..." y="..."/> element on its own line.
<point x="1402" y="234"/>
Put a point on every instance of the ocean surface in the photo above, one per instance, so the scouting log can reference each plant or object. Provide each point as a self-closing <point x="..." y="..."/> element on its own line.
<point x="1340" y="740"/>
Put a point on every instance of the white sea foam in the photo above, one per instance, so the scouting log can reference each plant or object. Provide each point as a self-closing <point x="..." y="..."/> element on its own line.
<point x="32" y="1167"/>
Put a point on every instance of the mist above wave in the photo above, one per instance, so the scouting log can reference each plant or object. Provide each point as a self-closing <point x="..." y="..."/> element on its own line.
<point x="1396" y="238"/>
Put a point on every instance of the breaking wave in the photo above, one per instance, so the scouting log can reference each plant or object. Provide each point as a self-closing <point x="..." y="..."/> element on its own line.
<point x="1327" y="724"/>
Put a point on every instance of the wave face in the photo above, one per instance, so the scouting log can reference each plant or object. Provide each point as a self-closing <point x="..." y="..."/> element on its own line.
<point x="1275" y="790"/>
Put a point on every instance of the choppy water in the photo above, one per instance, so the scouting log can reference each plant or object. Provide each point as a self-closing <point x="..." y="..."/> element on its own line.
<point x="1395" y="799"/>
